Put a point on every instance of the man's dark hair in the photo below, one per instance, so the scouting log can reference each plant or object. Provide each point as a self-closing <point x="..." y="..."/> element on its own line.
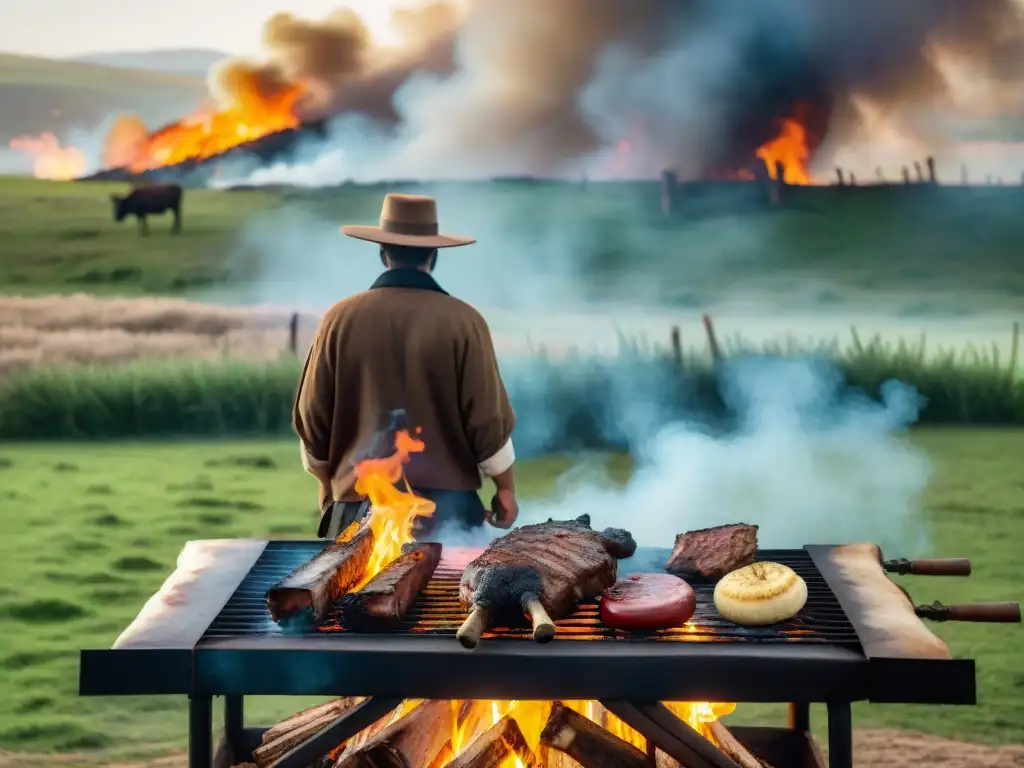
<point x="408" y="256"/>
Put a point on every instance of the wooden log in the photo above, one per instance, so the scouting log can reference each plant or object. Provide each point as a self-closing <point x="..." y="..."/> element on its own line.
<point x="313" y="587"/>
<point x="587" y="743"/>
<point x="414" y="740"/>
<point x="670" y="734"/>
<point x="386" y="598"/>
<point x="337" y="706"/>
<point x="491" y="748"/>
<point x="291" y="732"/>
<point x="444" y="757"/>
<point x="733" y="748"/>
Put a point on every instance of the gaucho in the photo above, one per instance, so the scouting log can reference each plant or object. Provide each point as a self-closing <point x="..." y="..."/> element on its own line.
<point x="405" y="352"/>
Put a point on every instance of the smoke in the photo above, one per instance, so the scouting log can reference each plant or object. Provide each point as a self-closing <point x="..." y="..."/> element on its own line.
<point x="535" y="87"/>
<point x="808" y="460"/>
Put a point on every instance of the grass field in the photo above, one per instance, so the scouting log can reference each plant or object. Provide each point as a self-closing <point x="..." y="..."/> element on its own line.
<point x="92" y="530"/>
<point x="41" y="94"/>
<point x="952" y="252"/>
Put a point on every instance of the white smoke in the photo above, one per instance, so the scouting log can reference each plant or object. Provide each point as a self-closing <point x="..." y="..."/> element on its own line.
<point x="808" y="461"/>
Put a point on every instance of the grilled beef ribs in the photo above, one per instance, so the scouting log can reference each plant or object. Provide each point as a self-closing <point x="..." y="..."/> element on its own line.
<point x="388" y="595"/>
<point x="311" y="589"/>
<point x="710" y="553"/>
<point x="542" y="571"/>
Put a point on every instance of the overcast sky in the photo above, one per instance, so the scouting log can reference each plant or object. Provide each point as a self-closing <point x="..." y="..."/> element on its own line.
<point x="71" y="27"/>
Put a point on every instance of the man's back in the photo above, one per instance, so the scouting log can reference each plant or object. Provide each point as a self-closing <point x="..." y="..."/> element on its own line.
<point x="407" y="345"/>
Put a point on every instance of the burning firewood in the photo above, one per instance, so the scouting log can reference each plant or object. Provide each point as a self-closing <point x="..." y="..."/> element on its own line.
<point x="413" y="740"/>
<point x="389" y="594"/>
<point x="731" y="746"/>
<point x="587" y="743"/>
<point x="493" y="746"/>
<point x="289" y="733"/>
<point x="314" y="586"/>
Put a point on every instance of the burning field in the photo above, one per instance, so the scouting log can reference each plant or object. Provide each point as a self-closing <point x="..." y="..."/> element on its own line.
<point x="476" y="88"/>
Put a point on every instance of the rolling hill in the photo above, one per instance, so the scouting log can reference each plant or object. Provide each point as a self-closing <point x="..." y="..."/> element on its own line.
<point x="193" y="62"/>
<point x="41" y="94"/>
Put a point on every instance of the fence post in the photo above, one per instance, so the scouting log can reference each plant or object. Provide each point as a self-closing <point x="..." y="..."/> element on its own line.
<point x="668" y="192"/>
<point x="918" y="171"/>
<point x="709" y="329"/>
<point x="839" y="177"/>
<point x="906" y="175"/>
<point x="293" y="334"/>
<point x="931" y="170"/>
<point x="677" y="347"/>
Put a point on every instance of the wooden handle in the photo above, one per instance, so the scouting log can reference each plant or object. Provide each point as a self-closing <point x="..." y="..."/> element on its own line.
<point x="996" y="613"/>
<point x="937" y="566"/>
<point x="543" y="626"/>
<point x="474" y="626"/>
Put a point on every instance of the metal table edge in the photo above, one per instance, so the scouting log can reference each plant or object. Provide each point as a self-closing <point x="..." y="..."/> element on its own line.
<point x="135" y="671"/>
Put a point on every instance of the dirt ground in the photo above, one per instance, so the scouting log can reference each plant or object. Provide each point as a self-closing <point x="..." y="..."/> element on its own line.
<point x="873" y="749"/>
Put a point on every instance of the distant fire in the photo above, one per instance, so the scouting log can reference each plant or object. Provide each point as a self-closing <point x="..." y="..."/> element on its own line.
<point x="49" y="159"/>
<point x="212" y="132"/>
<point x="790" y="149"/>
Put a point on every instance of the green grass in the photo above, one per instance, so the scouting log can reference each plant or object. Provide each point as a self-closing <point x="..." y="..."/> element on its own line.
<point x="953" y="251"/>
<point x="41" y="94"/>
<point x="232" y="397"/>
<point x="61" y="238"/>
<point x="92" y="530"/>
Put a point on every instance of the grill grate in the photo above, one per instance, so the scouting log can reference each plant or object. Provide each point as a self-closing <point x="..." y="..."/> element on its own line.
<point x="437" y="611"/>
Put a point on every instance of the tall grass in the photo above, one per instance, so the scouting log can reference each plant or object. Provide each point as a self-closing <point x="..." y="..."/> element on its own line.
<point x="574" y="395"/>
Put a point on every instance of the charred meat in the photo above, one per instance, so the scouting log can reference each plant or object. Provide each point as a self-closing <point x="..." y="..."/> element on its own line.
<point x="540" y="571"/>
<point x="313" y="587"/>
<point x="388" y="595"/>
<point x="710" y="553"/>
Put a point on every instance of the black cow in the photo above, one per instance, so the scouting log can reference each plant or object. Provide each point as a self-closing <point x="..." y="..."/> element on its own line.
<point x="148" y="201"/>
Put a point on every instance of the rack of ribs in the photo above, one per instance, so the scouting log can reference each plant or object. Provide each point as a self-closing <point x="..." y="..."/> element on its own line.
<point x="541" y="571"/>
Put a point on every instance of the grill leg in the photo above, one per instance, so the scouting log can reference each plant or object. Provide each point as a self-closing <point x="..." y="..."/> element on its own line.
<point x="800" y="716"/>
<point x="840" y="735"/>
<point x="234" y="726"/>
<point x="200" y="732"/>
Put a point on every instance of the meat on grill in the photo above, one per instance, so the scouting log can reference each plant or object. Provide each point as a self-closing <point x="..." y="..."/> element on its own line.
<point x="388" y="595"/>
<point x="314" y="586"/>
<point x="710" y="553"/>
<point x="541" y="571"/>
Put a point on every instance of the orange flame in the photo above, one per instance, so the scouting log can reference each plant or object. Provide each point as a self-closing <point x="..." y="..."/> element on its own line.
<point x="393" y="511"/>
<point x="532" y="715"/>
<point x="50" y="159"/>
<point x="209" y="132"/>
<point x="790" y="149"/>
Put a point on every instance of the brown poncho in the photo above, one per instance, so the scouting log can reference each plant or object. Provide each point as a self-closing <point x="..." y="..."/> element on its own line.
<point x="407" y="344"/>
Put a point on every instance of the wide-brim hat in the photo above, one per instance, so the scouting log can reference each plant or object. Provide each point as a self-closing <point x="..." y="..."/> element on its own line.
<point x="407" y="220"/>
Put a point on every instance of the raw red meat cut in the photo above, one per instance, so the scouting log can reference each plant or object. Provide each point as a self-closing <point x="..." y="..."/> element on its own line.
<point x="648" y="601"/>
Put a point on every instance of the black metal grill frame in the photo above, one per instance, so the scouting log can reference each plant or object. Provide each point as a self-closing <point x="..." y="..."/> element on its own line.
<point x="437" y="611"/>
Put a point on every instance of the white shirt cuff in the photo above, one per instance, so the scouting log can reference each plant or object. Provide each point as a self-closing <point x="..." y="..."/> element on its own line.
<point x="499" y="462"/>
<point x="311" y="464"/>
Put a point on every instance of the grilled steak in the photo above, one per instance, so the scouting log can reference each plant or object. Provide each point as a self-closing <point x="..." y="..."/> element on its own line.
<point x="710" y="553"/>
<point x="541" y="570"/>
<point x="388" y="595"/>
<point x="314" y="586"/>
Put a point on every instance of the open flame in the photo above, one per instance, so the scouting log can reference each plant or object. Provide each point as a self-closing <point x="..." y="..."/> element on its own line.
<point x="532" y="715"/>
<point x="393" y="511"/>
<point x="208" y="132"/>
<point x="50" y="159"/>
<point x="790" y="149"/>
